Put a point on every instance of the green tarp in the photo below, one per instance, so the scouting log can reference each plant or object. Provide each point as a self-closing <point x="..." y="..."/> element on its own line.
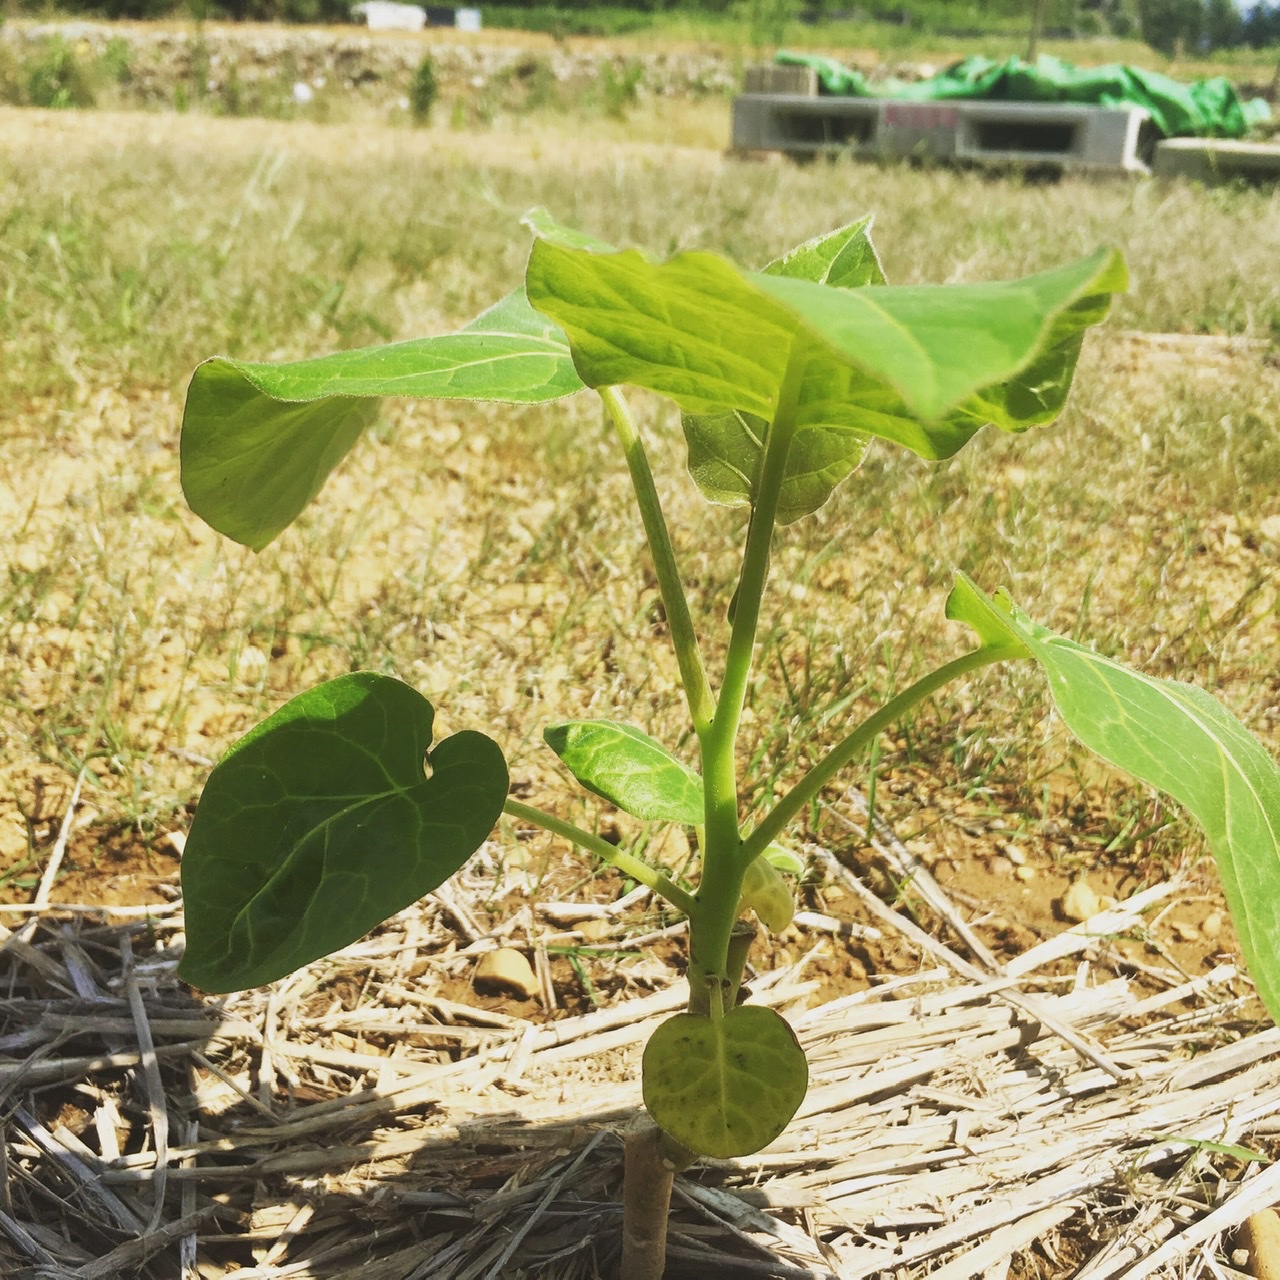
<point x="1205" y="108"/>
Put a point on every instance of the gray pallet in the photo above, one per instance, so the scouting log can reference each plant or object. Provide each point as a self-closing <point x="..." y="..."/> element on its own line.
<point x="1064" y="135"/>
<point x="1212" y="160"/>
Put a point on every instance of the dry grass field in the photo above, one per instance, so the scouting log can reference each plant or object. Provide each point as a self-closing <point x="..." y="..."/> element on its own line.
<point x="490" y="558"/>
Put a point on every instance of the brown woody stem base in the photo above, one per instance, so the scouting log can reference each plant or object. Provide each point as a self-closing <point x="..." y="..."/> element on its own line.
<point x="651" y="1162"/>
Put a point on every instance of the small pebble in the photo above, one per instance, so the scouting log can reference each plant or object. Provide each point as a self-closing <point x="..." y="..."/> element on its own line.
<point x="1212" y="926"/>
<point x="1015" y="855"/>
<point x="1184" y="932"/>
<point x="594" y="930"/>
<point x="1261" y="1236"/>
<point x="1025" y="873"/>
<point x="506" y="972"/>
<point x="1079" y="903"/>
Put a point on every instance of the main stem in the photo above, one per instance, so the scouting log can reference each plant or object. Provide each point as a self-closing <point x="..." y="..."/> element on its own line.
<point x="722" y="863"/>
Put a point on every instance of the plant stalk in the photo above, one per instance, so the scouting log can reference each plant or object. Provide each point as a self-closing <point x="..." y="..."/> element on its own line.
<point x="742" y="938"/>
<point x="850" y="747"/>
<point x="650" y="1164"/>
<point x="723" y="865"/>
<point x="675" y="602"/>
<point x="625" y="862"/>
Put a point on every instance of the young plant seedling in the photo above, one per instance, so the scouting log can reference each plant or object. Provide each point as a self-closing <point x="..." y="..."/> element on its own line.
<point x="339" y="810"/>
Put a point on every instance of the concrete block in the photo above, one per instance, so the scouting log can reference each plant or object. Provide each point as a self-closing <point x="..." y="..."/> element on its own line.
<point x="919" y="129"/>
<point x="1067" y="135"/>
<point x="803" y="125"/>
<point x="1211" y="160"/>
<point x="790" y="80"/>
<point x="1073" y="135"/>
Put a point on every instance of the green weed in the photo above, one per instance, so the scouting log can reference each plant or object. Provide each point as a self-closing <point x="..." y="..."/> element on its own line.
<point x="423" y="91"/>
<point x="56" y="76"/>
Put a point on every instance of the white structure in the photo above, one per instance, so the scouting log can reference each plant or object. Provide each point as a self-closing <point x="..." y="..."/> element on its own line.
<point x="1034" y="134"/>
<point x="1212" y="160"/>
<point x="386" y="15"/>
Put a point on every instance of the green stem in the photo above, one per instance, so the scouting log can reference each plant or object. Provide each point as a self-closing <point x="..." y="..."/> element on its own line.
<point x="849" y="748"/>
<point x="755" y="560"/>
<point x="625" y="862"/>
<point x="684" y="638"/>
<point x="723" y="867"/>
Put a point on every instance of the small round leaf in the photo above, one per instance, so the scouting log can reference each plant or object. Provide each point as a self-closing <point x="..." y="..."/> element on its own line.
<point x="724" y="1087"/>
<point x="628" y="768"/>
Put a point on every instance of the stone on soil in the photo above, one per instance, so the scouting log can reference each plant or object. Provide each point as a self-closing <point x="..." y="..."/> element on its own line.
<point x="506" y="972"/>
<point x="1080" y="903"/>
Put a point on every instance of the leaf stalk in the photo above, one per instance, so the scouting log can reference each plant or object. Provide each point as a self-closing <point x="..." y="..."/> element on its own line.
<point x="675" y="602"/>
<point x="859" y="740"/>
<point x="625" y="862"/>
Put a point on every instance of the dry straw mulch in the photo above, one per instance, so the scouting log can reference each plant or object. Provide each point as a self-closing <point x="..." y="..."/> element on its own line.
<point x="1047" y="1117"/>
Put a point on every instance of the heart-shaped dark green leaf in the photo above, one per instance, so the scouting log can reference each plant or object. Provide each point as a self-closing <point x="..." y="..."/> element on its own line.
<point x="259" y="440"/>
<point x="629" y="769"/>
<point x="724" y="1086"/>
<point x="923" y="366"/>
<point x="1177" y="738"/>
<point x="330" y="816"/>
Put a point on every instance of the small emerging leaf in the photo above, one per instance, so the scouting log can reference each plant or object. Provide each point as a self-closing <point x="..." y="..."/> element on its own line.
<point x="724" y="1086"/>
<point x="1180" y="740"/>
<point x="765" y="892"/>
<point x="322" y="822"/>
<point x="628" y="768"/>
<point x="259" y="440"/>
<point x="780" y="856"/>
<point x="844" y="258"/>
<point x="725" y="449"/>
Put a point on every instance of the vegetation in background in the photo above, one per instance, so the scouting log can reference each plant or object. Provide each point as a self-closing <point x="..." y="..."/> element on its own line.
<point x="423" y="90"/>
<point x="55" y="72"/>
<point x="56" y="76"/>
<point x="1193" y="26"/>
<point x="620" y="86"/>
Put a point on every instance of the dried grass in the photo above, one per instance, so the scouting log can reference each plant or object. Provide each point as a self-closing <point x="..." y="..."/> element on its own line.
<point x="1053" y="1116"/>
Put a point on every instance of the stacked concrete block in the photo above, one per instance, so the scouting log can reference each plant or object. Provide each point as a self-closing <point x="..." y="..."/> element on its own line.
<point x="1214" y="160"/>
<point x="1063" y="135"/>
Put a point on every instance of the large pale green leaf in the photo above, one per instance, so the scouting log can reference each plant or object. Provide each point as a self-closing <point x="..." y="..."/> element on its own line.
<point x="629" y="769"/>
<point x="1177" y="738"/>
<point x="330" y="816"/>
<point x="724" y="1086"/>
<point x="938" y="345"/>
<point x="922" y="366"/>
<point x="694" y="328"/>
<point x="259" y="440"/>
